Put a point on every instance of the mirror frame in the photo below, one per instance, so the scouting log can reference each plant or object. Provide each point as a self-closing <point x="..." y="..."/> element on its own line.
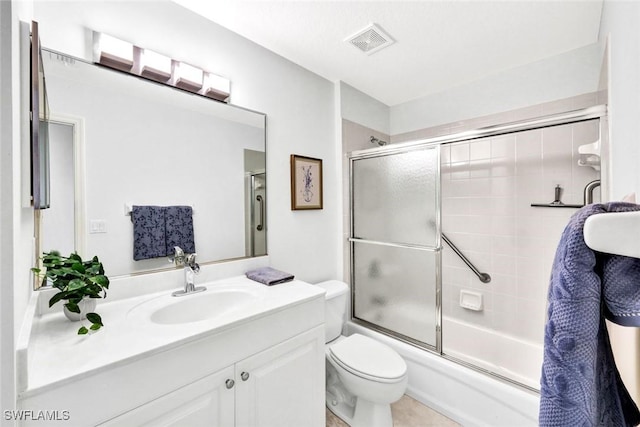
<point x="40" y="197"/>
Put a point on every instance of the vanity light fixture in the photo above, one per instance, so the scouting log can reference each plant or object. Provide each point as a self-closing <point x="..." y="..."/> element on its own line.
<point x="187" y="77"/>
<point x="121" y="55"/>
<point x="216" y="87"/>
<point x="154" y="65"/>
<point x="113" y="52"/>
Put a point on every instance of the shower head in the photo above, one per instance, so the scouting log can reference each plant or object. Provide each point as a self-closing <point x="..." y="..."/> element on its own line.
<point x="375" y="140"/>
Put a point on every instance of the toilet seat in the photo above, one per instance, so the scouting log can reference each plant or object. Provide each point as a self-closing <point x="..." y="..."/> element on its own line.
<point x="369" y="359"/>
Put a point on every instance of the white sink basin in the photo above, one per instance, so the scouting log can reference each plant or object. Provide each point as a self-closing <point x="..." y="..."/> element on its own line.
<point x="214" y="302"/>
<point x="198" y="307"/>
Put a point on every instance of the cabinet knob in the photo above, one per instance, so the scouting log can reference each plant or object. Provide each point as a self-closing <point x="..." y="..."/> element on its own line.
<point x="229" y="383"/>
<point x="244" y="376"/>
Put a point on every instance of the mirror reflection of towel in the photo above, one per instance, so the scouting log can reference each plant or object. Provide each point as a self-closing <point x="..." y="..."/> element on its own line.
<point x="179" y="228"/>
<point x="157" y="229"/>
<point x="148" y="232"/>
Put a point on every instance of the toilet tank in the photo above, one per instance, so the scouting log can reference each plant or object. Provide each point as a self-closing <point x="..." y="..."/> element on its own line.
<point x="335" y="307"/>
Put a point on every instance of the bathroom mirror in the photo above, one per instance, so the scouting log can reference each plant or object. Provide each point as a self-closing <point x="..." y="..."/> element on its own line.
<point x="130" y="142"/>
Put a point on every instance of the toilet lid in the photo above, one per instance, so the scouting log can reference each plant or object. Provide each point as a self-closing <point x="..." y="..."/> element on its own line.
<point x="364" y="355"/>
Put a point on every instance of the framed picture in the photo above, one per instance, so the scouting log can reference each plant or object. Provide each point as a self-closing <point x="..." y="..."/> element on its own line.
<point x="306" y="183"/>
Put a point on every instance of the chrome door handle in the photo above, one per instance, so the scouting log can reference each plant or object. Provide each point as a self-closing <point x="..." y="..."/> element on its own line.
<point x="260" y="200"/>
<point x="229" y="383"/>
<point x="244" y="376"/>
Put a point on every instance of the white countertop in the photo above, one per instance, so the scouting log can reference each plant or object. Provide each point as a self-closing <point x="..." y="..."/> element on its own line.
<point x="53" y="352"/>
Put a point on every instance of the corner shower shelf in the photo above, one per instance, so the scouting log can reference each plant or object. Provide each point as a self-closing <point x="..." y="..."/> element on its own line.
<point x="556" y="201"/>
<point x="589" y="155"/>
<point x="555" y="205"/>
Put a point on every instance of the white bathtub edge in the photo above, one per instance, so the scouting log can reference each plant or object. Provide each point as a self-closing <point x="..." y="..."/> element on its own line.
<point x="462" y="394"/>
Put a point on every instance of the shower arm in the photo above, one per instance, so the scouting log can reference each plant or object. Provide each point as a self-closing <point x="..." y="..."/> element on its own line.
<point x="484" y="277"/>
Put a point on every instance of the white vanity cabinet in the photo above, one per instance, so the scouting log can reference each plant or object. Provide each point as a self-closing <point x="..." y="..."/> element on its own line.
<point x="281" y="386"/>
<point x="207" y="402"/>
<point x="264" y="367"/>
<point x="277" y="387"/>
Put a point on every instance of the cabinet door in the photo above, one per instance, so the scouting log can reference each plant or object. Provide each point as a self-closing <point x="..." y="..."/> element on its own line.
<point x="206" y="402"/>
<point x="284" y="385"/>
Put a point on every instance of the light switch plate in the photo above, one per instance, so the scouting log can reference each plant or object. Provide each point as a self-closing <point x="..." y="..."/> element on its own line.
<point x="97" y="226"/>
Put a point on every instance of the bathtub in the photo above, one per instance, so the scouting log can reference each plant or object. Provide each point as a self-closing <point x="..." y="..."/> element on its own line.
<point x="467" y="396"/>
<point x="506" y="355"/>
<point x="517" y="359"/>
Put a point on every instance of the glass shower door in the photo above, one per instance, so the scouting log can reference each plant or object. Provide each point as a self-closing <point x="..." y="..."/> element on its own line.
<point x="395" y="242"/>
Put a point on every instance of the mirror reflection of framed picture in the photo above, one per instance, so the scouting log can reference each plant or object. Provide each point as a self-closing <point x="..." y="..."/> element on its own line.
<point x="306" y="183"/>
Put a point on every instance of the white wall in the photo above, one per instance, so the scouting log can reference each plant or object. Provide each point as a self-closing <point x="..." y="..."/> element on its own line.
<point x="299" y="107"/>
<point x="16" y="222"/>
<point x="621" y="23"/>
<point x="360" y="108"/>
<point x="561" y="76"/>
<point x="7" y="393"/>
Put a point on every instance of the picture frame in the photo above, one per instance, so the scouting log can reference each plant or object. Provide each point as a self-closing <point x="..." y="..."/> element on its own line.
<point x="306" y="183"/>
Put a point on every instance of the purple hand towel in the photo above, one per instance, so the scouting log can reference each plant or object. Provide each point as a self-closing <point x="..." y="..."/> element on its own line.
<point x="269" y="276"/>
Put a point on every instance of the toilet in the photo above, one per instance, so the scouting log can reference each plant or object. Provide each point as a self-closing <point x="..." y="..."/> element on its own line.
<point x="363" y="376"/>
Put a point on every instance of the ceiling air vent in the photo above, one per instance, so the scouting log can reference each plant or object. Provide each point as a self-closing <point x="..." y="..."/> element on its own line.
<point x="370" y="39"/>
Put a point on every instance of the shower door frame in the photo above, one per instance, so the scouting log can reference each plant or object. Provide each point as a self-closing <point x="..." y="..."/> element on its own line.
<point x="596" y="112"/>
<point x="436" y="249"/>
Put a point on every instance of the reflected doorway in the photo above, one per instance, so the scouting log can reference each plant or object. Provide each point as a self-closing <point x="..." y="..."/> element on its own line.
<point x="255" y="203"/>
<point x="58" y="221"/>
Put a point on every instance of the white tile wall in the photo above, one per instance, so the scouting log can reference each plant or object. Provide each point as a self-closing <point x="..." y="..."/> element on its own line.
<point x="488" y="186"/>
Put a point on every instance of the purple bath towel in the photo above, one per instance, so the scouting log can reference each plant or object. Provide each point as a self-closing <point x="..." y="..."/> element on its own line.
<point x="580" y="384"/>
<point x="269" y="276"/>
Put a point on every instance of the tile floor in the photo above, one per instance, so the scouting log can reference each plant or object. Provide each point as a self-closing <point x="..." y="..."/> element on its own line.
<point x="407" y="412"/>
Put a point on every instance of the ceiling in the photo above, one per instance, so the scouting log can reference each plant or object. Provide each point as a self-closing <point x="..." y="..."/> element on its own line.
<point x="438" y="44"/>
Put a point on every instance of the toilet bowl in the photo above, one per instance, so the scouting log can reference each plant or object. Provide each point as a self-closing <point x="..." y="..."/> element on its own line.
<point x="364" y="376"/>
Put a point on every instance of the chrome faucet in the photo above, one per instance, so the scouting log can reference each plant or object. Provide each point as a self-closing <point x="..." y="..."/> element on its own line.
<point x="191" y="268"/>
<point x="178" y="256"/>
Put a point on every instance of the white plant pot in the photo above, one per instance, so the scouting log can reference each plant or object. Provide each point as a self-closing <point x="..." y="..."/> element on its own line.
<point x="87" y="305"/>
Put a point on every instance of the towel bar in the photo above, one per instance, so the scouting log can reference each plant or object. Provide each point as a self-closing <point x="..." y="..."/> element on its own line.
<point x="129" y="206"/>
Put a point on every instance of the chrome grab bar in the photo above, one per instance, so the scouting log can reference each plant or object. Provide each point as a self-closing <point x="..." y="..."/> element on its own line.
<point x="260" y="200"/>
<point x="484" y="277"/>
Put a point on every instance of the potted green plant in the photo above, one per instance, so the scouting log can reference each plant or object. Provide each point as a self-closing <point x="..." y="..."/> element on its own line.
<point x="79" y="282"/>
